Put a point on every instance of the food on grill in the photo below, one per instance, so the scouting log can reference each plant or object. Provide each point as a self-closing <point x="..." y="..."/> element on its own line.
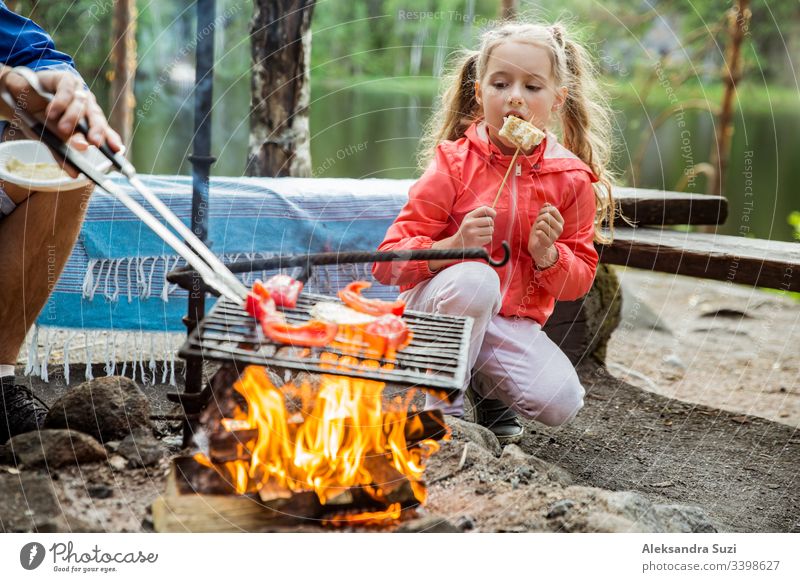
<point x="37" y="170"/>
<point x="339" y="314"/>
<point x="313" y="333"/>
<point x="387" y="333"/>
<point x="351" y="296"/>
<point x="259" y="304"/>
<point x="283" y="289"/>
<point x="522" y="134"/>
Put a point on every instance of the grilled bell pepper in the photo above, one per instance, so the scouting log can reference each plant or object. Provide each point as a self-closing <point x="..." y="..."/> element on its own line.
<point x="387" y="333"/>
<point x="259" y="304"/>
<point x="311" y="334"/>
<point x="284" y="290"/>
<point x="351" y="296"/>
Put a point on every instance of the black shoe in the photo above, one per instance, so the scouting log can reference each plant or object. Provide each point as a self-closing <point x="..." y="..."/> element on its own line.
<point x="497" y="417"/>
<point x="20" y="410"/>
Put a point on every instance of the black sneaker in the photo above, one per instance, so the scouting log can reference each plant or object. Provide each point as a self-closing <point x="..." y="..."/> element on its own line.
<point x="20" y="410"/>
<point x="497" y="417"/>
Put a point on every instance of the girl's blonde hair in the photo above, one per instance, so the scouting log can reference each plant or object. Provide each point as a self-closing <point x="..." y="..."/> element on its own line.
<point x="585" y="118"/>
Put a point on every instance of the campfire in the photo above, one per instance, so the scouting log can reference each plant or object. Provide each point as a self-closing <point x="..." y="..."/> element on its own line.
<point x="335" y="436"/>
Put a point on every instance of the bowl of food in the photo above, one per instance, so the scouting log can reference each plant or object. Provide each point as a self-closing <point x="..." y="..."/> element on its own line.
<point x="31" y="165"/>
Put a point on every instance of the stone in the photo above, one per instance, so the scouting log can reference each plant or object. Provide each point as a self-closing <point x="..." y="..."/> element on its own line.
<point x="559" y="508"/>
<point x="107" y="408"/>
<point x="514" y="454"/>
<point x="637" y="314"/>
<point x="634" y="507"/>
<point x="465" y="523"/>
<point x="55" y="448"/>
<point x="469" y="431"/>
<point x="117" y="462"/>
<point x="684" y="519"/>
<point x="583" y="327"/>
<point x="603" y="522"/>
<point x="427" y="524"/>
<point x="100" y="491"/>
<point x="26" y="500"/>
<point x="141" y="449"/>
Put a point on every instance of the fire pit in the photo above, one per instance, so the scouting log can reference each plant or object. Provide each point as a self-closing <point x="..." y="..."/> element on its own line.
<point x="288" y="434"/>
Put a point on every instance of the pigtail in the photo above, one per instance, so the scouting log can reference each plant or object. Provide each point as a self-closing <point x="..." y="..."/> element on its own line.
<point x="586" y="125"/>
<point x="458" y="108"/>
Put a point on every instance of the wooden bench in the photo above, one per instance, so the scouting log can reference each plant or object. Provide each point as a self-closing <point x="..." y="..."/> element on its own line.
<point x="736" y="259"/>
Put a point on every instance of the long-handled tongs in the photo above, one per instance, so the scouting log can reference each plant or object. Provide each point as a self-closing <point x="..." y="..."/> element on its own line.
<point x="210" y="268"/>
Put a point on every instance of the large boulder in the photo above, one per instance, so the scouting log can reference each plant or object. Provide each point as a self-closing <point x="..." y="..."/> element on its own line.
<point x="107" y="408"/>
<point x="583" y="327"/>
<point x="53" y="448"/>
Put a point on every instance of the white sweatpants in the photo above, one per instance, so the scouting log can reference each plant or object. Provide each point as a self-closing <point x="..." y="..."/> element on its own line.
<point x="513" y="359"/>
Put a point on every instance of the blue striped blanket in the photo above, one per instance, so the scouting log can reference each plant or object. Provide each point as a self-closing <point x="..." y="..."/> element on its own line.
<point x="115" y="277"/>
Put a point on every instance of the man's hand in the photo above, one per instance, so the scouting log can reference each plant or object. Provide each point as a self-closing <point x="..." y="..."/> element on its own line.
<point x="546" y="229"/>
<point x="71" y="104"/>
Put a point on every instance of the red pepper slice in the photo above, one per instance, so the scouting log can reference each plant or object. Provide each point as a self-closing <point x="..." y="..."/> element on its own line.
<point x="260" y="305"/>
<point x="283" y="289"/>
<point x="351" y="296"/>
<point x="388" y="332"/>
<point x="312" y="333"/>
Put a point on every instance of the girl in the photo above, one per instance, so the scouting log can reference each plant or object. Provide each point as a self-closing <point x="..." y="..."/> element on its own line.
<point x="548" y="211"/>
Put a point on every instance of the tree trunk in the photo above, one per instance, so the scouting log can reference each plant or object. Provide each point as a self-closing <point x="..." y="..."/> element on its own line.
<point x="509" y="9"/>
<point x="281" y="49"/>
<point x="123" y="57"/>
<point x="738" y="21"/>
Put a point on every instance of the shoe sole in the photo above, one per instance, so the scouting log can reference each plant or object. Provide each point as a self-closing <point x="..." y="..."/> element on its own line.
<point x="510" y="439"/>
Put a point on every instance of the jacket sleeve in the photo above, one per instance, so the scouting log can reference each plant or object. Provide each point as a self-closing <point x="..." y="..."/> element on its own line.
<point x="421" y="221"/>
<point x="24" y="43"/>
<point x="572" y="275"/>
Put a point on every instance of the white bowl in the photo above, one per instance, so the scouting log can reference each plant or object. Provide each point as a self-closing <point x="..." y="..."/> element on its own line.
<point x="35" y="152"/>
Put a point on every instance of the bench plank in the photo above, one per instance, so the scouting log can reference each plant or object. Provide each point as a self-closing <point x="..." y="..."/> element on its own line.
<point x="748" y="261"/>
<point x="657" y="207"/>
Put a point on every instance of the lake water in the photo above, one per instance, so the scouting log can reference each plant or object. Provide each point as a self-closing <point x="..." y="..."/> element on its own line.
<point x="365" y="133"/>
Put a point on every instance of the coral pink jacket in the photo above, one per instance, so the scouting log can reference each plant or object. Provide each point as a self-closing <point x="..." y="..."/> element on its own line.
<point x="466" y="174"/>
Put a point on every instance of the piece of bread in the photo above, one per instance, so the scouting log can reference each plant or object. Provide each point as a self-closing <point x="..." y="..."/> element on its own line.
<point x="522" y="134"/>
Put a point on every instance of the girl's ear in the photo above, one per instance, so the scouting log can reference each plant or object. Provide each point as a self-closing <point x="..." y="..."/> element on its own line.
<point x="561" y="98"/>
<point x="478" y="97"/>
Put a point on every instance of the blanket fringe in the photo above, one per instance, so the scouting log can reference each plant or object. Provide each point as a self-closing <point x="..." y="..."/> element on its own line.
<point x="52" y="345"/>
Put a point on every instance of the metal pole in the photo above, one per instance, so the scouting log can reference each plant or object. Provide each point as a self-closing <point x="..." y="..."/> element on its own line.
<point x="201" y="160"/>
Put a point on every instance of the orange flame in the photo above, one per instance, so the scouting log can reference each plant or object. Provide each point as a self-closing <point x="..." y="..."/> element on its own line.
<point x="326" y="446"/>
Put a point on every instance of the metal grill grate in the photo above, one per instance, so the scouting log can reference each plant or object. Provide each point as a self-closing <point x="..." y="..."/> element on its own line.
<point x="436" y="357"/>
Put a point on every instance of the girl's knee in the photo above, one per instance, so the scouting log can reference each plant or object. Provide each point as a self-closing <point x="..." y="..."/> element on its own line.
<point x="474" y="291"/>
<point x="562" y="406"/>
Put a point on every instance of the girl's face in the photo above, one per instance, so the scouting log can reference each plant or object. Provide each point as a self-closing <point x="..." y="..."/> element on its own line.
<point x="518" y="81"/>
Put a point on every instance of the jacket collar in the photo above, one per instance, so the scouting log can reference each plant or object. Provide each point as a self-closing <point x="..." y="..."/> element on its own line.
<point x="548" y="156"/>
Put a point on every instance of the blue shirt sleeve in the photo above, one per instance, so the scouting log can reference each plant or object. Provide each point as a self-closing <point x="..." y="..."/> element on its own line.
<point x="24" y="43"/>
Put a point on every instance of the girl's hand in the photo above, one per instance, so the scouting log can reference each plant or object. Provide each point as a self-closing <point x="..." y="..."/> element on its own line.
<point x="546" y="229"/>
<point x="476" y="229"/>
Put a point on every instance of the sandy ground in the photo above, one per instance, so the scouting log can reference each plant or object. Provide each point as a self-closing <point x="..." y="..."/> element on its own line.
<point x="711" y="343"/>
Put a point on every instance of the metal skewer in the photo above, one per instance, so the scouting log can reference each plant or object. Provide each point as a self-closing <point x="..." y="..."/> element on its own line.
<point x="193" y="250"/>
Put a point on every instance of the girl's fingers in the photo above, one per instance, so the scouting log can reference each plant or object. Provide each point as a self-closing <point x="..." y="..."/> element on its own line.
<point x="74" y="112"/>
<point x="64" y="95"/>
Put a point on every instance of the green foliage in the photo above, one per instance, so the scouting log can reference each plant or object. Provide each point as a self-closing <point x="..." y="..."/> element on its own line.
<point x="794" y="221"/>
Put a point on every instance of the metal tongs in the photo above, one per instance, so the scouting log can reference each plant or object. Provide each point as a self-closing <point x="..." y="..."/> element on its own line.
<point x="210" y="268"/>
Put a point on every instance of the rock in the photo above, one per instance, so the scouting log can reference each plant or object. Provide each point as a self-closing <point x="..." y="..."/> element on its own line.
<point x="99" y="491"/>
<point x="107" y="408"/>
<point x="55" y="448"/>
<point x="26" y="500"/>
<point x="465" y="523"/>
<point x="674" y="361"/>
<point x="141" y="449"/>
<point x="117" y="462"/>
<point x="427" y="524"/>
<point x="603" y="522"/>
<point x="66" y="524"/>
<point x="514" y="454"/>
<point x="582" y="328"/>
<point x="634" y="507"/>
<point x="480" y="435"/>
<point x="684" y="519"/>
<point x="559" y="508"/>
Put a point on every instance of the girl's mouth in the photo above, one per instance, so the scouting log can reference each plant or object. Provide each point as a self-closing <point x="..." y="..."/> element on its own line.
<point x="516" y="114"/>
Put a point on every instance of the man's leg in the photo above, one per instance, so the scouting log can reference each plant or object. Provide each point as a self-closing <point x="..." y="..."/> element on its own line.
<point x="36" y="240"/>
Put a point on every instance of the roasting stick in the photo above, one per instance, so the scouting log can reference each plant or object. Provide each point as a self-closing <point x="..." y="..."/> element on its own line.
<point x="193" y="250"/>
<point x="524" y="135"/>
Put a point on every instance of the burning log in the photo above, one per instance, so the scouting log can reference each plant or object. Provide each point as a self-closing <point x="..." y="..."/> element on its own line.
<point x="228" y="446"/>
